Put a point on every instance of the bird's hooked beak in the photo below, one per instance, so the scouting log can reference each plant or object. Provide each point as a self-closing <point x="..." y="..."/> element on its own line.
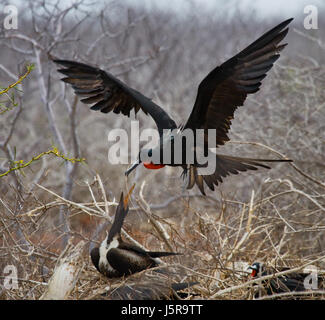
<point x="134" y="165"/>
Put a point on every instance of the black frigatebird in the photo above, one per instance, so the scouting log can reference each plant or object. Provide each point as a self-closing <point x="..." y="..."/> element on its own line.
<point x="291" y="282"/>
<point x="153" y="288"/>
<point x="116" y="257"/>
<point x="219" y="94"/>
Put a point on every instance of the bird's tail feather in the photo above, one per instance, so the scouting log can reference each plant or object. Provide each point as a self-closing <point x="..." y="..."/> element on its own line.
<point x="225" y="165"/>
<point x="252" y="160"/>
<point x="157" y="254"/>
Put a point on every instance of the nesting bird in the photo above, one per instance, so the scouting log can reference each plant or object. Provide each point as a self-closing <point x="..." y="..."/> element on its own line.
<point x="291" y="282"/>
<point x="148" y="287"/>
<point x="116" y="257"/>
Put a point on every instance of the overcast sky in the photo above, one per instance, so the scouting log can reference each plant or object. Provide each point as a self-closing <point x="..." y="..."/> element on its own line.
<point x="281" y="8"/>
<point x="216" y="8"/>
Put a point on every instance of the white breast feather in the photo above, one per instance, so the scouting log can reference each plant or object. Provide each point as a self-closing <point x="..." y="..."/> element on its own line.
<point x="103" y="249"/>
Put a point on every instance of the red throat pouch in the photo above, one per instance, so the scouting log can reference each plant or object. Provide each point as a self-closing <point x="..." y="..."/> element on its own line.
<point x="150" y="165"/>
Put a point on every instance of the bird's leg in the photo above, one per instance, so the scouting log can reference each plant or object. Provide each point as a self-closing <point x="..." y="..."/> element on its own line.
<point x="185" y="178"/>
<point x="184" y="173"/>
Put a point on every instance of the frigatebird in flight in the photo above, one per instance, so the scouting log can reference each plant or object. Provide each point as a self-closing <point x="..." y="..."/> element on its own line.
<point x="116" y="257"/>
<point x="219" y="94"/>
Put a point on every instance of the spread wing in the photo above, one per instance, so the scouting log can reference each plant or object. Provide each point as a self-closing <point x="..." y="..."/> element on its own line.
<point x="107" y="93"/>
<point x="226" y="87"/>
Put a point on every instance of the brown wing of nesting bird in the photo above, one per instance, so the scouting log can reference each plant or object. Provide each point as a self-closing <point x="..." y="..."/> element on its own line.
<point x="157" y="290"/>
<point x="148" y="286"/>
<point x="108" y="93"/>
<point x="129" y="259"/>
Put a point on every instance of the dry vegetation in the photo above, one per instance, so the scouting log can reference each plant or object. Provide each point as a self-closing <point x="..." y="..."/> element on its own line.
<point x="276" y="216"/>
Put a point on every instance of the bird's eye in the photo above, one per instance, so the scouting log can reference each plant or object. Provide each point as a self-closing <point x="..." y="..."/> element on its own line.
<point x="150" y="153"/>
